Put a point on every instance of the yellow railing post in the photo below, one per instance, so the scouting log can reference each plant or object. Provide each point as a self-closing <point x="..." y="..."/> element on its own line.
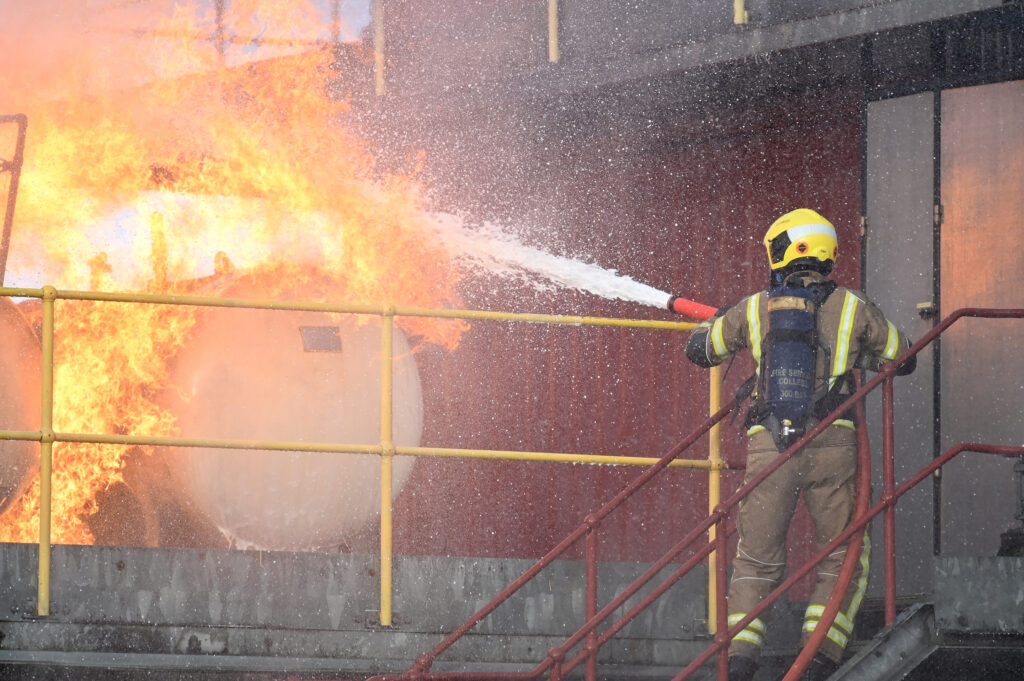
<point x="386" y="461"/>
<point x="46" y="453"/>
<point x="714" y="492"/>
<point x="378" y="46"/>
<point x="553" y="54"/>
<point x="739" y="12"/>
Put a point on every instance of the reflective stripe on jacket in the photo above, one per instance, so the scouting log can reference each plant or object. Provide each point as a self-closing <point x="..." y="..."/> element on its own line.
<point x="851" y="327"/>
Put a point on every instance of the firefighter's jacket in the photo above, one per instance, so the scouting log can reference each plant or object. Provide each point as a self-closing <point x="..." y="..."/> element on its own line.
<point x="852" y="334"/>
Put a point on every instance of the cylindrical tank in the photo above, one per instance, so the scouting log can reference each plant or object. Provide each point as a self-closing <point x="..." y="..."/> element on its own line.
<point x="295" y="376"/>
<point x="19" y="401"/>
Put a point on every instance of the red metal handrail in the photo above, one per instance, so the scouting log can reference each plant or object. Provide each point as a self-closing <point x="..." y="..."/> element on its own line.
<point x="555" y="661"/>
<point x="419" y="671"/>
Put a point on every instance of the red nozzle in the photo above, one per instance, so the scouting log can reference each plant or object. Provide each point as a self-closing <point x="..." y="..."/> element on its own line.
<point x="690" y="308"/>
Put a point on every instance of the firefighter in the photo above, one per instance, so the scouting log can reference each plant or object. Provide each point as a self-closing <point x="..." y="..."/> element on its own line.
<point x="806" y="335"/>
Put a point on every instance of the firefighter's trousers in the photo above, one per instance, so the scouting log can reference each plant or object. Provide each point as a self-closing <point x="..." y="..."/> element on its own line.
<point x="825" y="473"/>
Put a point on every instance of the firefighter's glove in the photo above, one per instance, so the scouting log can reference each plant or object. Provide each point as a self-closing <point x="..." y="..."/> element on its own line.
<point x="908" y="366"/>
<point x="697" y="344"/>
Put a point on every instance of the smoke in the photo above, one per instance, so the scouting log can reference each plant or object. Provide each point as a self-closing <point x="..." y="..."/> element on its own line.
<point x="58" y="50"/>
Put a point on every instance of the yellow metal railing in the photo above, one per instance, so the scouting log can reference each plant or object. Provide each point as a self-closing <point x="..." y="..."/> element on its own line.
<point x="740" y="15"/>
<point x="714" y="489"/>
<point x="380" y="86"/>
<point x="386" y="450"/>
<point x="553" y="50"/>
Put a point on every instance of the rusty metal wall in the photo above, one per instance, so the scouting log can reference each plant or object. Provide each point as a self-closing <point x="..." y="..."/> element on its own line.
<point x="159" y="613"/>
<point x="485" y="45"/>
<point x="686" y="216"/>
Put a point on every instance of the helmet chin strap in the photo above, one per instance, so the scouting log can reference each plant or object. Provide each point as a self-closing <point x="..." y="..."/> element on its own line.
<point x="780" y="276"/>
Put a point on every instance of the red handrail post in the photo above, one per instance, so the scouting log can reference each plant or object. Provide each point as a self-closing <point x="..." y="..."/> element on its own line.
<point x="591" y="644"/>
<point x="888" y="489"/>
<point x="557" y="657"/>
<point x="722" y="625"/>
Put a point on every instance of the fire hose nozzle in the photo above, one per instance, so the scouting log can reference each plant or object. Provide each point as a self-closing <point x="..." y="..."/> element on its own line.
<point x="682" y="306"/>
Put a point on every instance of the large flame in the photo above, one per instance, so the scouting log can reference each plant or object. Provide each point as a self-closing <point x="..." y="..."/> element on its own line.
<point x="156" y="169"/>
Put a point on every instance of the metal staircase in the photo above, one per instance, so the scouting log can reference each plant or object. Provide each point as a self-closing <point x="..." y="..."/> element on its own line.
<point x="926" y="641"/>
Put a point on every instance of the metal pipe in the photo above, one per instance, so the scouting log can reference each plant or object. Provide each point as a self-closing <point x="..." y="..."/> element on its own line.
<point x="46" y="453"/>
<point x="714" y="491"/>
<point x="209" y="301"/>
<point x="739" y="12"/>
<point x="888" y="487"/>
<point x="14" y="166"/>
<point x="386" y="450"/>
<point x="546" y="319"/>
<point x="289" y="446"/>
<point x="504" y="455"/>
<point x="336" y="23"/>
<point x="378" y="47"/>
<point x="399" y="311"/>
<point x="553" y="53"/>
<point x="386" y="463"/>
<point x="218" y="30"/>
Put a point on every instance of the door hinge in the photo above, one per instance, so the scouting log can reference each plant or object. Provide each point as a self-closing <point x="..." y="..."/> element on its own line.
<point x="937" y="214"/>
<point x="863" y="225"/>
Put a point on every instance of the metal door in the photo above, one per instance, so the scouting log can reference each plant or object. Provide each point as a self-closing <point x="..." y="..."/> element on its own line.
<point x="898" y="259"/>
<point x="944" y="200"/>
<point x="982" y="365"/>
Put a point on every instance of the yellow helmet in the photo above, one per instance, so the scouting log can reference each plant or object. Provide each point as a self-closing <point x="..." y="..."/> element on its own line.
<point x="801" y="233"/>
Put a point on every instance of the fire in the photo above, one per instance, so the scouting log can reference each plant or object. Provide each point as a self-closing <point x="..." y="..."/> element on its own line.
<point x="168" y="177"/>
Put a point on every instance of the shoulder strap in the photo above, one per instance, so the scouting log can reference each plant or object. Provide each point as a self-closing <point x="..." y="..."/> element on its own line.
<point x="821" y="291"/>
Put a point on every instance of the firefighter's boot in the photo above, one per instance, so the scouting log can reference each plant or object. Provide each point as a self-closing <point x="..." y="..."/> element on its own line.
<point x="819" y="669"/>
<point x="741" y="668"/>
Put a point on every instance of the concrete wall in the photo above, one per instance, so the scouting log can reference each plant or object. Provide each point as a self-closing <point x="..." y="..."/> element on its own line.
<point x="295" y="611"/>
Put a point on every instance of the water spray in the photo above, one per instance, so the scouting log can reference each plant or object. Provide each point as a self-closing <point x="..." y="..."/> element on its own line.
<point x="495" y="250"/>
